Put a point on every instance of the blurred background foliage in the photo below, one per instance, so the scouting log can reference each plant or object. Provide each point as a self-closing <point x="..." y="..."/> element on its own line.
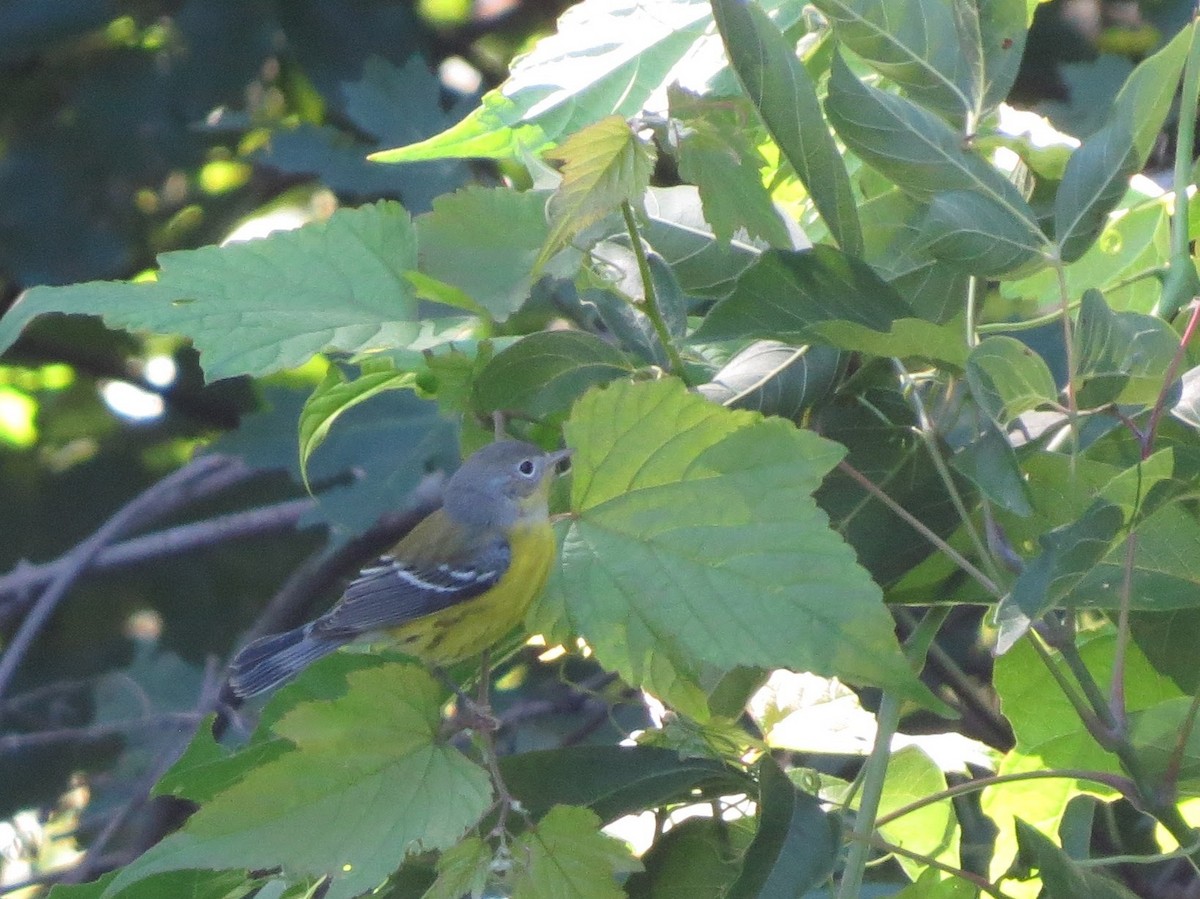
<point x="132" y="128"/>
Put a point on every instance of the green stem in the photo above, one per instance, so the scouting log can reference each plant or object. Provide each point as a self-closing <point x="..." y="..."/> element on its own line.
<point x="1069" y="342"/>
<point x="981" y="883"/>
<point x="921" y="528"/>
<point x="652" y="310"/>
<point x="874" y="772"/>
<point x="925" y="431"/>
<point x="874" y="775"/>
<point x="1189" y="100"/>
<point x="1121" y="784"/>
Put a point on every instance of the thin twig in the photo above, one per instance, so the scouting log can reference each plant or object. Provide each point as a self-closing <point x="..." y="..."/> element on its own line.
<point x="921" y="528"/>
<point x="12" y="743"/>
<point x="203" y="476"/>
<point x="172" y="541"/>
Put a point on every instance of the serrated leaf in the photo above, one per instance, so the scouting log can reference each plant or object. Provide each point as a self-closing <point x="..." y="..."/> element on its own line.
<point x="604" y="165"/>
<point x="796" y="845"/>
<point x="1097" y="173"/>
<point x="368" y="773"/>
<point x="786" y="98"/>
<point x="462" y="871"/>
<point x="542" y="374"/>
<point x="1068" y="554"/>
<point x="1120" y="356"/>
<point x="484" y="241"/>
<point x="269" y="304"/>
<point x="335" y="395"/>
<point x="713" y="507"/>
<point x="716" y="152"/>
<point x="604" y="59"/>
<point x="565" y="856"/>
<point x="975" y="233"/>
<point x="1008" y="379"/>
<point x="911" y="146"/>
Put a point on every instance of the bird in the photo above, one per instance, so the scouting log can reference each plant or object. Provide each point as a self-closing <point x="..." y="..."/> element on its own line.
<point x="457" y="583"/>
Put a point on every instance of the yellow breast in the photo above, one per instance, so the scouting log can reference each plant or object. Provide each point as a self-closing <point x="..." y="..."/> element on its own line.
<point x="470" y="627"/>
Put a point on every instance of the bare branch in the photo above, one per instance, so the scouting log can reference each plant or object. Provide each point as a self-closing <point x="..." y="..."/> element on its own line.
<point x="202" y="477"/>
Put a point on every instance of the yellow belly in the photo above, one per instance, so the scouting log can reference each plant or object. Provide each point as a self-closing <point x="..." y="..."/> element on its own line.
<point x="469" y="628"/>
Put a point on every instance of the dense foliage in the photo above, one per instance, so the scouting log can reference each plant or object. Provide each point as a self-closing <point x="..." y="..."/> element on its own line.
<point x="862" y="370"/>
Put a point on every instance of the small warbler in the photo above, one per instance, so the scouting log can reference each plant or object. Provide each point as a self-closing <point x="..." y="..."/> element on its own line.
<point x="455" y="584"/>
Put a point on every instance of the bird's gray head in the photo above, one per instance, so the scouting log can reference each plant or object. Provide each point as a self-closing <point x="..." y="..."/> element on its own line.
<point x="494" y="487"/>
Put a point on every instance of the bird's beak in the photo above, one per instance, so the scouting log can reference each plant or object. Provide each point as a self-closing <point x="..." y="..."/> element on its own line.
<point x="559" y="456"/>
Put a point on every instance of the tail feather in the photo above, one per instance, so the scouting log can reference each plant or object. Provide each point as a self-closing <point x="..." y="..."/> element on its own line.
<point x="269" y="661"/>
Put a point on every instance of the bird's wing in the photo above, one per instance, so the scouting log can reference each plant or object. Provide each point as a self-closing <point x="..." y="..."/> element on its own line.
<point x="395" y="591"/>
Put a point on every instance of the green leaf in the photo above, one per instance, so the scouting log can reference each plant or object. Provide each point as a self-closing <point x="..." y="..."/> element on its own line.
<point x="1121" y="263"/>
<point x="1068" y="554"/>
<point x="604" y="59"/>
<point x="991" y="465"/>
<point x="1062" y="877"/>
<point x="932" y="830"/>
<point x="368" y="773"/>
<point x="565" y="856"/>
<point x="979" y="235"/>
<point x="604" y="165"/>
<point x="1049" y="734"/>
<point x="785" y="293"/>
<point x="1008" y="379"/>
<point x="192" y="884"/>
<point x="612" y="780"/>
<point x="335" y="395"/>
<point x="783" y="92"/>
<point x="544" y="373"/>
<point x="1166" y="566"/>
<point x="776" y="379"/>
<point x="1120" y="356"/>
<point x="796" y="845"/>
<point x="695" y="859"/>
<point x="955" y="58"/>
<point x="463" y="870"/>
<point x="716" y="152"/>
<point x="911" y="146"/>
<point x="714" y="508"/>
<point x="1098" y="172"/>
<point x="892" y="236"/>
<point x="484" y="242"/>
<point x="269" y="304"/>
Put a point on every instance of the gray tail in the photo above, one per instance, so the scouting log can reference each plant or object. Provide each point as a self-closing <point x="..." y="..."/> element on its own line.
<point x="269" y="661"/>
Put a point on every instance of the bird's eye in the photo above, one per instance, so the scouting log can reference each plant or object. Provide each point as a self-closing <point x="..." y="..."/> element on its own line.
<point x="526" y="467"/>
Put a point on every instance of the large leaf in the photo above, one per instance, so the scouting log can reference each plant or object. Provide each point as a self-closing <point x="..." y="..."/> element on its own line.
<point x="1098" y="172"/>
<point x="958" y="58"/>
<point x="914" y="148"/>
<point x="484" y="242"/>
<point x="258" y="307"/>
<point x="776" y="379"/>
<point x="786" y="292"/>
<point x="714" y="509"/>
<point x="784" y="94"/>
<point x="606" y="58"/>
<point x="975" y="233"/>
<point x="369" y="773"/>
